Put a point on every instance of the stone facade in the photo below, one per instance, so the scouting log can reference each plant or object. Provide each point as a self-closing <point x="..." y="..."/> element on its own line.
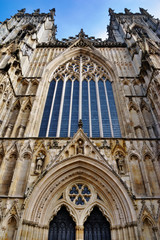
<point x="38" y="173"/>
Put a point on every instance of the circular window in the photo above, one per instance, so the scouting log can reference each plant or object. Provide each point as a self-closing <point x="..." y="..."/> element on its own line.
<point x="79" y="194"/>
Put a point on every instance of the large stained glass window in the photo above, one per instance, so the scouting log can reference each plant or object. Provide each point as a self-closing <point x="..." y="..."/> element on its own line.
<point x="81" y="89"/>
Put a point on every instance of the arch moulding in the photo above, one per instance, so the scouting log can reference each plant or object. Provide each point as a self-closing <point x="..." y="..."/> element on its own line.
<point x="115" y="202"/>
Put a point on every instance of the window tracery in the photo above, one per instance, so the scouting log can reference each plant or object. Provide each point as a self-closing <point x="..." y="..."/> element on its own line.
<point x="81" y="89"/>
<point x="80" y="194"/>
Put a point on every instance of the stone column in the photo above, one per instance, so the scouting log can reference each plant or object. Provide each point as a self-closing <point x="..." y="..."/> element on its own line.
<point x="114" y="233"/>
<point x="9" y="130"/>
<point x="120" y="233"/>
<point x="157" y="169"/>
<point x="45" y="233"/>
<point x="145" y="178"/>
<point x="79" y="232"/>
<point x="135" y="231"/>
<point x="125" y="233"/>
<point x="21" y="131"/>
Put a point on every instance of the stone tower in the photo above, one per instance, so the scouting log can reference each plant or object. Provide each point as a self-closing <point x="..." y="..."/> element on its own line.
<point x="80" y="130"/>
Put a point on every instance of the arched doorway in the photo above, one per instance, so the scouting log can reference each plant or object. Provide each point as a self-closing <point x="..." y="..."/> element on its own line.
<point x="62" y="227"/>
<point x="96" y="227"/>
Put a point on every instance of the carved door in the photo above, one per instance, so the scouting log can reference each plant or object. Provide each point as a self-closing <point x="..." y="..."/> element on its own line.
<point x="97" y="227"/>
<point x="62" y="227"/>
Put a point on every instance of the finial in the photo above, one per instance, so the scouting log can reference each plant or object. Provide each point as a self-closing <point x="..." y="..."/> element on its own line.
<point x="52" y="11"/>
<point x="127" y="11"/>
<point x="37" y="11"/>
<point x="145" y="12"/>
<point x="111" y="11"/>
<point x="81" y="33"/>
<point x="80" y="124"/>
<point x="22" y="10"/>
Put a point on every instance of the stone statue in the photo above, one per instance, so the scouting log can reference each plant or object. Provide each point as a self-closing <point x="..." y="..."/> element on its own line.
<point x="120" y="163"/>
<point x="39" y="162"/>
<point x="80" y="147"/>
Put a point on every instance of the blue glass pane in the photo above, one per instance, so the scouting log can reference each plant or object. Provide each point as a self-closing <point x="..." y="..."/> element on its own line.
<point x="66" y="107"/>
<point x="85" y="109"/>
<point x="75" y="108"/>
<point x="79" y="201"/>
<point x="55" y="113"/>
<point x="74" y="190"/>
<point x="94" y="111"/>
<point x="86" y="190"/>
<point x="104" y="110"/>
<point x="47" y="109"/>
<point x="114" y="116"/>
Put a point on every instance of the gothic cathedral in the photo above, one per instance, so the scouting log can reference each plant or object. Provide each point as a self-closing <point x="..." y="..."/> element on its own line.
<point x="80" y="130"/>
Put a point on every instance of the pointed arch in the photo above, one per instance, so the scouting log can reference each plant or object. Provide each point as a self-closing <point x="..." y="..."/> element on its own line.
<point x="63" y="58"/>
<point x="115" y="200"/>
<point x="96" y="226"/>
<point x="62" y="226"/>
<point x="148" y="225"/>
<point x="11" y="228"/>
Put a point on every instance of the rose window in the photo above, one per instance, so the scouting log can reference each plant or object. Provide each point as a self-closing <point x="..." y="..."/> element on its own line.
<point x="80" y="194"/>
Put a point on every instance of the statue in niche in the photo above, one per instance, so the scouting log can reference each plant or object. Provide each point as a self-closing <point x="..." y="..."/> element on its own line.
<point x="39" y="163"/>
<point x="80" y="147"/>
<point x="120" y="162"/>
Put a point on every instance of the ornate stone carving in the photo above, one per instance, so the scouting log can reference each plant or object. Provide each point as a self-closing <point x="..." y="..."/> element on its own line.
<point x="120" y="160"/>
<point x="80" y="147"/>
<point x="39" y="163"/>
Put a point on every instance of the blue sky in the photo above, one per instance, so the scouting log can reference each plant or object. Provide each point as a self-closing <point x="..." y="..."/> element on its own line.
<point x="72" y="15"/>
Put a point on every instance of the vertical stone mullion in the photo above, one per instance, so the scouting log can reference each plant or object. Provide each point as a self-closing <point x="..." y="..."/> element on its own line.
<point x="89" y="107"/>
<point x="61" y="108"/>
<point x="51" y="111"/>
<point x="99" y="107"/>
<point x="80" y="90"/>
<point x="70" y="110"/>
<point x="108" y="107"/>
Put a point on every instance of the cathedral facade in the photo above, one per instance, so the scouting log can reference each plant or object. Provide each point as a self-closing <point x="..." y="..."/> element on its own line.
<point x="80" y="130"/>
